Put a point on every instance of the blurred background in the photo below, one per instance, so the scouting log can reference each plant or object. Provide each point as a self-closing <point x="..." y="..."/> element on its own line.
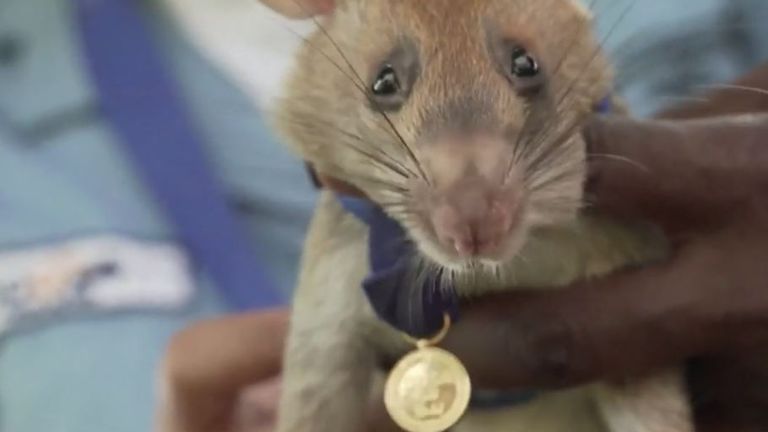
<point x="93" y="276"/>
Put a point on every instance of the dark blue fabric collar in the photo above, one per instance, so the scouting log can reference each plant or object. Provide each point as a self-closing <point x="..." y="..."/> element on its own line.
<point x="415" y="310"/>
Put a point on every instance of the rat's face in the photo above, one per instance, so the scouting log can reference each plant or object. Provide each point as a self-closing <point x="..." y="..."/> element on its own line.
<point x="459" y="117"/>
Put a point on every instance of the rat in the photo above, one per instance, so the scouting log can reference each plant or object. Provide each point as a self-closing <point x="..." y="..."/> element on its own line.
<point x="460" y="120"/>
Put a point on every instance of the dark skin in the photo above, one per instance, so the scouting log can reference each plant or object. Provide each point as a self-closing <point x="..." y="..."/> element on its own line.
<point x="704" y="181"/>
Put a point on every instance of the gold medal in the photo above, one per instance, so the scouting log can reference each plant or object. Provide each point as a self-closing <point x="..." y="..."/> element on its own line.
<point x="429" y="389"/>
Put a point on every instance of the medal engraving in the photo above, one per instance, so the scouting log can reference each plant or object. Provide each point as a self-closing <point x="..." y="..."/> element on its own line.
<point x="427" y="391"/>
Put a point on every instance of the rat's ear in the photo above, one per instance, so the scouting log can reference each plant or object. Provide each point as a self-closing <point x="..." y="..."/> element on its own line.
<point x="300" y="9"/>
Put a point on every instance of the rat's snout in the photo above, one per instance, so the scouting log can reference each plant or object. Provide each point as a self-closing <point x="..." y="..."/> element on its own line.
<point x="473" y="203"/>
<point x="473" y="222"/>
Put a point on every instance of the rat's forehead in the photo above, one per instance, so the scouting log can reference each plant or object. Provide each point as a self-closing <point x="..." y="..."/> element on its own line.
<point x="437" y="14"/>
<point x="450" y="24"/>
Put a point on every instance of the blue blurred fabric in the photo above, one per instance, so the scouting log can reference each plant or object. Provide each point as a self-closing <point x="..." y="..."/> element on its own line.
<point x="62" y="174"/>
<point x="167" y="151"/>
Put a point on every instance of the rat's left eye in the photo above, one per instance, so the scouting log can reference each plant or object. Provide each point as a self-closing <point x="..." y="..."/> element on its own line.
<point x="386" y="83"/>
<point x="524" y="65"/>
<point x="387" y="91"/>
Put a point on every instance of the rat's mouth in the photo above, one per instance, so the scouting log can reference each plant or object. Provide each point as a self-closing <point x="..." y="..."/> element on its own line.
<point x="471" y="229"/>
<point x="493" y="237"/>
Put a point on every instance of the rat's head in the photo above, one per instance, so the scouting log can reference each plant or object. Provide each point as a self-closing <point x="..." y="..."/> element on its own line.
<point x="459" y="117"/>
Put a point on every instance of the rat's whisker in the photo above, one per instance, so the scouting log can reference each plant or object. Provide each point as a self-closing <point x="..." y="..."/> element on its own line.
<point x="373" y="153"/>
<point x="574" y="40"/>
<point x="669" y="100"/>
<point x="356" y="82"/>
<point x="548" y="147"/>
<point x="595" y="54"/>
<point x="359" y="84"/>
<point x="382" y="163"/>
<point x="386" y="117"/>
<point x="543" y="146"/>
<point x="556" y="167"/>
<point x="556" y="176"/>
<point x="559" y="106"/>
<point x="539" y="145"/>
<point x="400" y="199"/>
<point x="519" y="152"/>
<point x="385" y="184"/>
<point x="619" y="158"/>
<point x="737" y="87"/>
<point x="309" y="43"/>
<point x="395" y="209"/>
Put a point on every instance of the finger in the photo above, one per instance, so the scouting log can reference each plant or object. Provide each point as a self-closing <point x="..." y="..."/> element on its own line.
<point x="257" y="410"/>
<point x="683" y="175"/>
<point x="230" y="352"/>
<point x="208" y="364"/>
<point x="624" y="325"/>
<point x="730" y="390"/>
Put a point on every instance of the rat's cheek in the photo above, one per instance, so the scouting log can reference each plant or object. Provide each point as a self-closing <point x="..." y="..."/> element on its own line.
<point x="557" y="202"/>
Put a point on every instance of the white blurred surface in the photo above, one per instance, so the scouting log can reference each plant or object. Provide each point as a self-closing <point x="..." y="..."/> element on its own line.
<point x="250" y="43"/>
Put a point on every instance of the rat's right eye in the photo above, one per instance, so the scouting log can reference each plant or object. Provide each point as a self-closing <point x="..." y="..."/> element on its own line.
<point x="386" y="83"/>
<point x="391" y="81"/>
<point x="524" y="65"/>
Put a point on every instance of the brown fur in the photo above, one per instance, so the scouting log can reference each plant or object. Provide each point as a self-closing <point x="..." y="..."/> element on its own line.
<point x="328" y="120"/>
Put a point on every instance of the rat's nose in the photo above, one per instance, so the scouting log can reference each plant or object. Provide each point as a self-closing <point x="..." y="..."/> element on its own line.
<point x="474" y="224"/>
